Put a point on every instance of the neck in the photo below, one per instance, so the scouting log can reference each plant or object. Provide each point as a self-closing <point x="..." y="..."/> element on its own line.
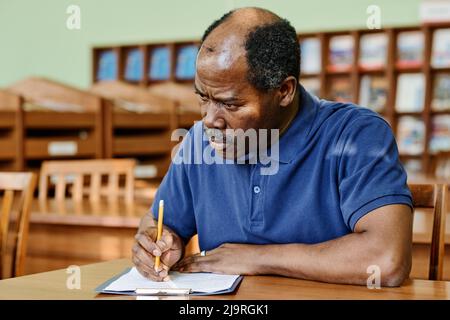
<point x="290" y="113"/>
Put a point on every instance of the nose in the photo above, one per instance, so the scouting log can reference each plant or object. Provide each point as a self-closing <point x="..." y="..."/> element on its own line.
<point x="213" y="118"/>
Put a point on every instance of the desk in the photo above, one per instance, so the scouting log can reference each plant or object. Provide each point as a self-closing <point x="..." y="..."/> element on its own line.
<point x="66" y="232"/>
<point x="52" y="285"/>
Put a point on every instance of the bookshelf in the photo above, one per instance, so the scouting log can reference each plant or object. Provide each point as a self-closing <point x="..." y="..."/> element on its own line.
<point x="392" y="74"/>
<point x="138" y="124"/>
<point x="403" y="73"/>
<point x="145" y="64"/>
<point x="11" y="131"/>
<point x="56" y="122"/>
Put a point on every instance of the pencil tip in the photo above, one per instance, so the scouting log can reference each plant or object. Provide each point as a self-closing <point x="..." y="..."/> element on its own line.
<point x="161" y="202"/>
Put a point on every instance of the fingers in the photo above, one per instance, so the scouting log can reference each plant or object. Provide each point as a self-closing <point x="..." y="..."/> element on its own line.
<point x="196" y="263"/>
<point x="145" y="264"/>
<point x="147" y="241"/>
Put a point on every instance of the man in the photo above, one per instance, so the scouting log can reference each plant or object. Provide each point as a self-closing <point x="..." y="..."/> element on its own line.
<point x="338" y="202"/>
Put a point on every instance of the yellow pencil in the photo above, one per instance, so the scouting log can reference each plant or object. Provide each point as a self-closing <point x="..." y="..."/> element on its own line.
<point x="160" y="227"/>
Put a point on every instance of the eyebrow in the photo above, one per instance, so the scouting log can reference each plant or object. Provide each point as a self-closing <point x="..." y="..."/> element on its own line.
<point x="197" y="91"/>
<point x="226" y="100"/>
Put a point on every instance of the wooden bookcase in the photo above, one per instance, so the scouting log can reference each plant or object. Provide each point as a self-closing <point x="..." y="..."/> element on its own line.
<point x="11" y="131"/>
<point x="117" y="58"/>
<point x="48" y="133"/>
<point x="390" y="72"/>
<point x="326" y="76"/>
<point x="141" y="130"/>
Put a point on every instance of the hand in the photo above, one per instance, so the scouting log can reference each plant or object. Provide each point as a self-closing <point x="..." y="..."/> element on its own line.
<point x="227" y="259"/>
<point x="145" y="249"/>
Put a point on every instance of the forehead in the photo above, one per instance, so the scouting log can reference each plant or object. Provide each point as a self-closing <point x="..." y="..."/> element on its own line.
<point x="221" y="62"/>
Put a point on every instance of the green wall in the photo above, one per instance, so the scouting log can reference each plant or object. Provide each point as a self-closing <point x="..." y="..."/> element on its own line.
<point x="34" y="39"/>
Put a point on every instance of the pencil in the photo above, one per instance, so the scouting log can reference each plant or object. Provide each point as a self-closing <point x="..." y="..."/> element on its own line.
<point x="160" y="227"/>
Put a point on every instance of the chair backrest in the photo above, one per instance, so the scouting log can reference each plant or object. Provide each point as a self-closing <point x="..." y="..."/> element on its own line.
<point x="441" y="169"/>
<point x="433" y="196"/>
<point x="12" y="183"/>
<point x="74" y="171"/>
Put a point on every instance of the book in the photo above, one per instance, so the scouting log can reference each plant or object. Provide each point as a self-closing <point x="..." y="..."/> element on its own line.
<point x="373" y="92"/>
<point x="412" y="166"/>
<point x="410" y="135"/>
<point x="373" y="51"/>
<point x="341" y="53"/>
<point x="107" y="65"/>
<point x="410" y="92"/>
<point x="440" y="54"/>
<point x="410" y="46"/>
<point x="340" y="89"/>
<point x="159" y="64"/>
<point x="134" y="65"/>
<point x="131" y="282"/>
<point x="186" y="57"/>
<point x="441" y="92"/>
<point x="311" y="56"/>
<point x="440" y="133"/>
<point x="312" y="85"/>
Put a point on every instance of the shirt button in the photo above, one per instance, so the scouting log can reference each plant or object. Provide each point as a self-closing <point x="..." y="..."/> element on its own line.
<point x="256" y="189"/>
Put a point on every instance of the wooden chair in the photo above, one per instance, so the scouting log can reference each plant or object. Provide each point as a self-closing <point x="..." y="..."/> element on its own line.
<point x="74" y="171"/>
<point x="433" y="196"/>
<point x="11" y="183"/>
<point x="441" y="167"/>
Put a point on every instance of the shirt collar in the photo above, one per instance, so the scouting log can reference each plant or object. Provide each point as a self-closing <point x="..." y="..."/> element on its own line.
<point x="292" y="139"/>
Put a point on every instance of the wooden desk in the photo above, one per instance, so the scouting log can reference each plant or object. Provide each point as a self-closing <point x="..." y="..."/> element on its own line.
<point x="63" y="233"/>
<point x="52" y="285"/>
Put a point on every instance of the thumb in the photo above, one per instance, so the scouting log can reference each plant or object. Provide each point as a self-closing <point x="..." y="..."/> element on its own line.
<point x="166" y="241"/>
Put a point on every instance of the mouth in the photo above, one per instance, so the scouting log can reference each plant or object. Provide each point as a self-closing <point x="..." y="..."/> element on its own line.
<point x="217" y="144"/>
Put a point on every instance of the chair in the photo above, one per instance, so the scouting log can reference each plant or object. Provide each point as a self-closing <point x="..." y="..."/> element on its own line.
<point x="441" y="167"/>
<point x="11" y="183"/>
<point x="433" y="196"/>
<point x="73" y="172"/>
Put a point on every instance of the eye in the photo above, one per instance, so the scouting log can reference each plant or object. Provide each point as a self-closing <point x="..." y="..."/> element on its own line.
<point x="202" y="98"/>
<point x="230" y="107"/>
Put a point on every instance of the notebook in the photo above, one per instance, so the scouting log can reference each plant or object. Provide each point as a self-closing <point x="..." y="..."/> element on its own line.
<point x="131" y="282"/>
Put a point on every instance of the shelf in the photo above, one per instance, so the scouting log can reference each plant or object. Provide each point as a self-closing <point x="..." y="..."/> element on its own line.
<point x="140" y="145"/>
<point x="408" y="69"/>
<point x="7" y="119"/>
<point x="405" y="155"/>
<point x="59" y="147"/>
<point x="440" y="112"/>
<point x="58" y="120"/>
<point x="141" y="120"/>
<point x="7" y="148"/>
<point x="443" y="70"/>
<point x="369" y="70"/>
<point x="412" y="114"/>
<point x="332" y="71"/>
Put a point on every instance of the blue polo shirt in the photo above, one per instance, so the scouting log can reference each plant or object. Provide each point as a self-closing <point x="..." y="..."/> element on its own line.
<point x="336" y="163"/>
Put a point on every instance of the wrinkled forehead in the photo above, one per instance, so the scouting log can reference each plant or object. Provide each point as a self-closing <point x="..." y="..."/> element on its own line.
<point x="222" y="57"/>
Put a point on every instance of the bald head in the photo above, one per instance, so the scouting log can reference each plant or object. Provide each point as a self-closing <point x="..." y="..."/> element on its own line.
<point x="257" y="41"/>
<point x="240" y="22"/>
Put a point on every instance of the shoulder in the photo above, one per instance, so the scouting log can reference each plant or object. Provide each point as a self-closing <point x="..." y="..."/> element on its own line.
<point x="349" y="117"/>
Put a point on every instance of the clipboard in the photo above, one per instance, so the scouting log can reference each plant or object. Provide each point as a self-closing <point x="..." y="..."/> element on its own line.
<point x="161" y="292"/>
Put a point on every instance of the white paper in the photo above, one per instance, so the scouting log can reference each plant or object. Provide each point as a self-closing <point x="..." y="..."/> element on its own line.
<point x="197" y="282"/>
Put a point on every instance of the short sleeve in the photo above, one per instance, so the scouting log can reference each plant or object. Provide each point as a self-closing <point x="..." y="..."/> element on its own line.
<point x="370" y="173"/>
<point x="178" y="206"/>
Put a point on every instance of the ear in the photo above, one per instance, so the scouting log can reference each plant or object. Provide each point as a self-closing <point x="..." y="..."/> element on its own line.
<point x="287" y="91"/>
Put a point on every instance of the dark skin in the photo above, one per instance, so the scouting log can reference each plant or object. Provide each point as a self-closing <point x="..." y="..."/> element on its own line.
<point x="382" y="237"/>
